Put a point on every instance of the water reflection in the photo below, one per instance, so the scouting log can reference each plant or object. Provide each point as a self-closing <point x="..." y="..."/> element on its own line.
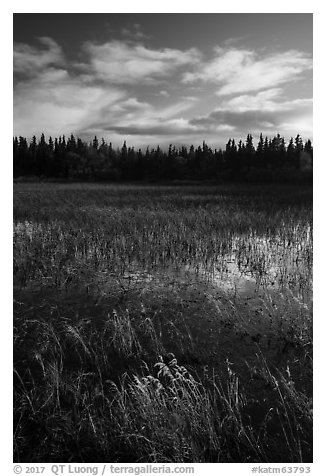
<point x="249" y="264"/>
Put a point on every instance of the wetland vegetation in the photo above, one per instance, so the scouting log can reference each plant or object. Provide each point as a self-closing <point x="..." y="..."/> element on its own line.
<point x="162" y="323"/>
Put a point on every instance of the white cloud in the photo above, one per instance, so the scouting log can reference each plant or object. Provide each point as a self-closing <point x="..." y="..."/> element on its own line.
<point x="264" y="100"/>
<point x="132" y="104"/>
<point x="57" y="103"/>
<point x="239" y="70"/>
<point x="270" y="100"/>
<point x="123" y="63"/>
<point x="30" y="60"/>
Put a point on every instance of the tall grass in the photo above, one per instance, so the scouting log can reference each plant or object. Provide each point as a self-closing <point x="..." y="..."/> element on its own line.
<point x="162" y="323"/>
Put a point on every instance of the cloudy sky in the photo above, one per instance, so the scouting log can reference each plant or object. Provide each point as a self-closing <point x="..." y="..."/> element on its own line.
<point x="163" y="78"/>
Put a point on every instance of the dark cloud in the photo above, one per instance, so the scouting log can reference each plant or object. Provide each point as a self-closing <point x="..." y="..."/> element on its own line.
<point x="134" y="33"/>
<point x="243" y="119"/>
<point x="134" y="129"/>
<point x="255" y="119"/>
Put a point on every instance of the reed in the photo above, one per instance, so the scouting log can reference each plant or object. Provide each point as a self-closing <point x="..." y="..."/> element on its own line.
<point x="162" y="323"/>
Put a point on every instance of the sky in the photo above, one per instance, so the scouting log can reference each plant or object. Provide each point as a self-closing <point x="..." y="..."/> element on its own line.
<point x="156" y="79"/>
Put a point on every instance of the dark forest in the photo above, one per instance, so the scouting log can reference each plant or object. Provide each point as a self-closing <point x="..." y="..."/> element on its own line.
<point x="272" y="160"/>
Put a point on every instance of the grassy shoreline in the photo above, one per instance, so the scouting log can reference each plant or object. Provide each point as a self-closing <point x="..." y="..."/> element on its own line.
<point x="129" y="346"/>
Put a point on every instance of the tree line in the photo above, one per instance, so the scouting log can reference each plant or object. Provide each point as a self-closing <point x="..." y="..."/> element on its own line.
<point x="74" y="159"/>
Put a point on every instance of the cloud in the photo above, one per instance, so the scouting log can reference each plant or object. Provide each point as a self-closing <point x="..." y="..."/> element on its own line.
<point x="264" y="100"/>
<point x="241" y="70"/>
<point x="58" y="103"/>
<point x="134" y="33"/>
<point x="131" y="105"/>
<point x="119" y="89"/>
<point x="237" y="120"/>
<point x="167" y="129"/>
<point x="163" y="93"/>
<point x="265" y="111"/>
<point x="29" y="60"/>
<point x="134" y="117"/>
<point x="123" y="63"/>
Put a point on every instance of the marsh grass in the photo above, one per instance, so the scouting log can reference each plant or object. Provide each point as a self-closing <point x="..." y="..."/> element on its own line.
<point x="162" y="324"/>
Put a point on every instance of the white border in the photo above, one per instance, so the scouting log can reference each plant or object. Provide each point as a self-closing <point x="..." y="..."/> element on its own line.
<point x="169" y="6"/>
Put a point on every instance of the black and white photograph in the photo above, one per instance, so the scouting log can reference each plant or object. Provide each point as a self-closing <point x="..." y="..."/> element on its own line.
<point x="163" y="239"/>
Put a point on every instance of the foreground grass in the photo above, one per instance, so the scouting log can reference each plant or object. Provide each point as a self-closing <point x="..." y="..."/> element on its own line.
<point x="126" y="349"/>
